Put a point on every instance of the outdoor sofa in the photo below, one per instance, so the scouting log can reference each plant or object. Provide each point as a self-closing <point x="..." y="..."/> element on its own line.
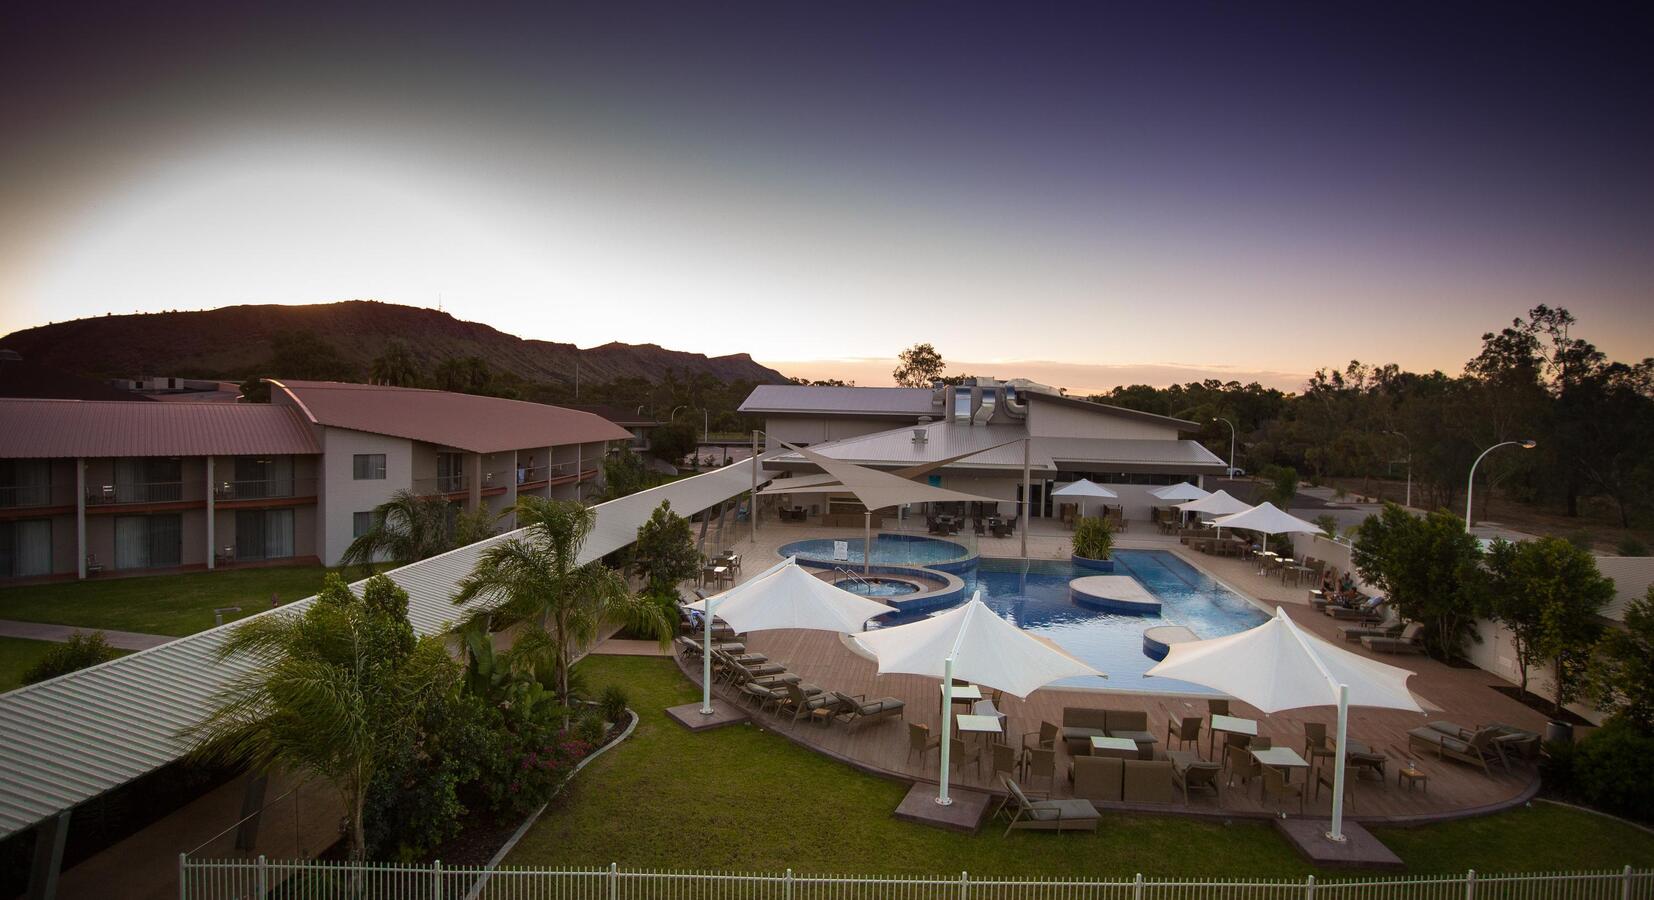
<point x="1080" y="725"/>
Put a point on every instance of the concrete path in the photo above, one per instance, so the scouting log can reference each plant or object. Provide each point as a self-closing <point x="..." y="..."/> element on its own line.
<point x="41" y="631"/>
<point x="618" y="647"/>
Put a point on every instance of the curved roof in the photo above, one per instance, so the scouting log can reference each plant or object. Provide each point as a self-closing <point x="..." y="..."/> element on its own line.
<point x="67" y="428"/>
<point x="463" y="421"/>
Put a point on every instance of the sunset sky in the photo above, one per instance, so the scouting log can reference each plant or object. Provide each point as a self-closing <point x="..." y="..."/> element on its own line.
<point x="1087" y="198"/>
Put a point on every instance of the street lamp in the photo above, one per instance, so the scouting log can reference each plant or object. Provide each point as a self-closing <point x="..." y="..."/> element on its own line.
<point x="1471" y="487"/>
<point x="1231" y="443"/>
<point x="1409" y="503"/>
<point x="673" y="417"/>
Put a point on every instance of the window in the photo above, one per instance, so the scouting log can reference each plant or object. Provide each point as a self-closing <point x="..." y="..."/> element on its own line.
<point x="368" y="466"/>
<point x="450" y="472"/>
<point x="361" y="523"/>
<point x="25" y="482"/>
<point x="148" y="542"/>
<point x="25" y="548"/>
<point x="263" y="533"/>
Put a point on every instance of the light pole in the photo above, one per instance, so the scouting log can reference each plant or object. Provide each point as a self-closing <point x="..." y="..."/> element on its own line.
<point x="1231" y="443"/>
<point x="673" y="417"/>
<point x="1409" y="501"/>
<point x="1470" y="488"/>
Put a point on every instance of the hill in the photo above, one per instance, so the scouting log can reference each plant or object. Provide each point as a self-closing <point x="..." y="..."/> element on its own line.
<point x="235" y="342"/>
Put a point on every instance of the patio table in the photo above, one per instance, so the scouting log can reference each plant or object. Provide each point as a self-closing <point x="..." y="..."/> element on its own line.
<point x="1230" y="725"/>
<point x="963" y="692"/>
<point x="1120" y="748"/>
<point x="973" y="724"/>
<point x="1284" y="758"/>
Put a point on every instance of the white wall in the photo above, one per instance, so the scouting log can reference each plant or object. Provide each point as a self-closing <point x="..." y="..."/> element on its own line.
<point x="820" y="429"/>
<point x="1048" y="419"/>
<point x="341" y="495"/>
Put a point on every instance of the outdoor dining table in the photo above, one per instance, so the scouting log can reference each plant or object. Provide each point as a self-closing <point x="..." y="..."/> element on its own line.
<point x="1230" y="725"/>
<point x="1284" y="758"/>
<point x="973" y="724"/>
<point x="1121" y="748"/>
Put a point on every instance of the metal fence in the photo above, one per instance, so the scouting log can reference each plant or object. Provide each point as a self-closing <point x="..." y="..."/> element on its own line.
<point x="312" y="880"/>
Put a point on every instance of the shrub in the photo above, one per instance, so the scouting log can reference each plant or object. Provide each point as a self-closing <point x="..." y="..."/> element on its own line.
<point x="614" y="703"/>
<point x="79" y="652"/>
<point x="1582" y="540"/>
<point x="1329" y="524"/>
<point x="590" y="727"/>
<point x="1093" y="538"/>
<point x="1608" y="770"/>
<point x="1631" y="547"/>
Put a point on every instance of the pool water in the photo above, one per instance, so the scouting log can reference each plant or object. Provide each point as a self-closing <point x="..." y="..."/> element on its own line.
<point x="889" y="549"/>
<point x="1033" y="595"/>
<point x="877" y="587"/>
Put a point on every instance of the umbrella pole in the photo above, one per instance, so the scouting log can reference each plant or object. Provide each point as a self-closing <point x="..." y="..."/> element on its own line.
<point x="706" y="664"/>
<point x="866" y="541"/>
<point x="1337" y="832"/>
<point x="942" y="798"/>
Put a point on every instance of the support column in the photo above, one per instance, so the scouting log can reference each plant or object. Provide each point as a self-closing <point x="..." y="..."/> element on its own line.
<point x="473" y="481"/>
<point x="212" y="518"/>
<point x="1027" y="495"/>
<point x="80" y="518"/>
<point x="579" y="471"/>
<point x="48" y="857"/>
<point x="252" y="805"/>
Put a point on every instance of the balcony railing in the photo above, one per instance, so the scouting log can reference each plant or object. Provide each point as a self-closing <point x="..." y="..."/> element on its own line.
<point x="442" y="484"/>
<point x="24" y="496"/>
<point x="144" y="492"/>
<point x="266" y="489"/>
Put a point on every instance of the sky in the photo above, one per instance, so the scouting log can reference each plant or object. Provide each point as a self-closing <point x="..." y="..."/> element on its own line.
<point x="1085" y="195"/>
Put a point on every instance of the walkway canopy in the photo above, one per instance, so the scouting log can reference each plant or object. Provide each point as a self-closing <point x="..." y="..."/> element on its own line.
<point x="1278" y="666"/>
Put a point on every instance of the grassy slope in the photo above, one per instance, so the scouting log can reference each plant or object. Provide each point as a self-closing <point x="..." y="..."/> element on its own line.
<point x="780" y="806"/>
<point x="159" y="604"/>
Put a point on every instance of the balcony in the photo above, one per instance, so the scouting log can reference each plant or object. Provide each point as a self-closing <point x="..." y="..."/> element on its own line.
<point x="136" y="492"/>
<point x="440" y="486"/>
<point x="33" y="496"/>
<point x="267" y="489"/>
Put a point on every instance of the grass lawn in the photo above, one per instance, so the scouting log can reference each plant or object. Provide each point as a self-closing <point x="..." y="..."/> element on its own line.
<point x="17" y="656"/>
<point x="159" y="604"/>
<point x="645" y="804"/>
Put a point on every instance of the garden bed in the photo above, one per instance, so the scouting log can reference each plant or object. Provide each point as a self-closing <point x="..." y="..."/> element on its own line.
<point x="1543" y="704"/>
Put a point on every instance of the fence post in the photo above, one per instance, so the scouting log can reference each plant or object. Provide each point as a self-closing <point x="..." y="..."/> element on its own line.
<point x="788" y="892"/>
<point x="1625" y="884"/>
<point x="1137" y="887"/>
<point x="183" y="889"/>
<point x="614" y="881"/>
<point x="436" y="879"/>
<point x="964" y="883"/>
<point x="263" y="876"/>
<point x="1309" y="887"/>
<point x="1470" y="885"/>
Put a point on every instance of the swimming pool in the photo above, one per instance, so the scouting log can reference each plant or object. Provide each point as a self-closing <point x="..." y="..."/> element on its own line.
<point x="1033" y="595"/>
<point x="890" y="549"/>
<point x="877" y="587"/>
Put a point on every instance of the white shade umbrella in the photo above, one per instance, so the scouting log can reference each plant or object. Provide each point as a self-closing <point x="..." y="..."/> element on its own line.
<point x="1267" y="519"/>
<point x="972" y="643"/>
<point x="1218" y="503"/>
<point x="1084" y="489"/>
<point x="1180" y="492"/>
<point x="1278" y="666"/>
<point x="785" y="595"/>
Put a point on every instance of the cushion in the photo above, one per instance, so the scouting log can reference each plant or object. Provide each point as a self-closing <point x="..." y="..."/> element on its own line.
<point x="1126" y="720"/>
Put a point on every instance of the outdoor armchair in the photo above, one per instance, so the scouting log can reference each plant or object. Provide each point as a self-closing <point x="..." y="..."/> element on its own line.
<point x="1048" y="815"/>
<point x="919" y="740"/>
<point x="1185" y="730"/>
<point x="1275" y="783"/>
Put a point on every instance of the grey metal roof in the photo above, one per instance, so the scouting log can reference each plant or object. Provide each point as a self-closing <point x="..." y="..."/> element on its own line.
<point x="841" y="401"/>
<point x="1001" y="447"/>
<point x="70" y="739"/>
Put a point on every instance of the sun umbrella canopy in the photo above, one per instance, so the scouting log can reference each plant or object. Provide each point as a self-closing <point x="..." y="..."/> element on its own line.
<point x="1085" y="487"/>
<point x="875" y="489"/>
<point x="1266" y="518"/>
<point x="1180" y="492"/>
<point x="1278" y="666"/>
<point x="1216" y="504"/>
<point x="788" y="596"/>
<point x="985" y="649"/>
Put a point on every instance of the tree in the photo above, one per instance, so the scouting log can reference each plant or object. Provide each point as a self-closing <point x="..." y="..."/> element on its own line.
<point x="1548" y="593"/>
<point x="81" y="651"/>
<point x="396" y="366"/>
<point x="1283" y="486"/>
<point x="624" y="474"/>
<point x="918" y="365"/>
<point x="672" y="441"/>
<point x="335" y="691"/>
<point x="1620" y="680"/>
<point x="665" y="553"/>
<point x="1430" y="569"/>
<point x="405" y="529"/>
<point x="537" y="580"/>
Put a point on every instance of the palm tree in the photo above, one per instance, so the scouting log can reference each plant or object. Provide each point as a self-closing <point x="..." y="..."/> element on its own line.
<point x="407" y="528"/>
<point x="396" y="366"/>
<point x="536" y="579"/>
<point x="333" y="692"/>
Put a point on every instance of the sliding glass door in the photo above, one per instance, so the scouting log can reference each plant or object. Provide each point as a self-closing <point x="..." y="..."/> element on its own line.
<point x="148" y="542"/>
<point x="25" y="548"/>
<point x="263" y="534"/>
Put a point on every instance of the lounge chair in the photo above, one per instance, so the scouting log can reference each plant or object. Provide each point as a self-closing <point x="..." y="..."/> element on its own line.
<point x="1411" y="640"/>
<point x="1048" y="815"/>
<point x="1476" y="749"/>
<point x="1369" y="610"/>
<point x="1512" y="740"/>
<point x="1146" y="781"/>
<point x="804" y="699"/>
<point x="1354" y="633"/>
<point x="1189" y="771"/>
<point x="1097" y="778"/>
<point x="858" y="709"/>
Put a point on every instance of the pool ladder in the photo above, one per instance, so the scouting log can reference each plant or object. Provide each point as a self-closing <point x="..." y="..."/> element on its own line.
<point x="853" y="577"/>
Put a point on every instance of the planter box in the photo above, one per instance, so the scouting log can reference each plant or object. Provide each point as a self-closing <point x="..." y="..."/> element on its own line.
<point x="1094" y="565"/>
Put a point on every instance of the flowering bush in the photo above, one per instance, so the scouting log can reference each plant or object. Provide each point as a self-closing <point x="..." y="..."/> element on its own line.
<point x="539" y="769"/>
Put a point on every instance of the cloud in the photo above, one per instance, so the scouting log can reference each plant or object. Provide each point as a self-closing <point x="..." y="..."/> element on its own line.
<point x="1078" y="378"/>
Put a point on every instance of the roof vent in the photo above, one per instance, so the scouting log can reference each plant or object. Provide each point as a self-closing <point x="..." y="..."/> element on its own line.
<point x="919" y="436"/>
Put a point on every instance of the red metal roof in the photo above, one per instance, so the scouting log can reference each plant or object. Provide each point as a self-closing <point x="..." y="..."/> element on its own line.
<point x="63" y="428"/>
<point x="463" y="421"/>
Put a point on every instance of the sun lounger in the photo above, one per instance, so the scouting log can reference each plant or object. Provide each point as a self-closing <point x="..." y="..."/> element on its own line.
<point x="1189" y="771"/>
<point x="1411" y="640"/>
<point x="1097" y="778"/>
<point x="1449" y="741"/>
<point x="1354" y="633"/>
<point x="1366" y="612"/>
<point x="858" y="709"/>
<point x="1048" y="815"/>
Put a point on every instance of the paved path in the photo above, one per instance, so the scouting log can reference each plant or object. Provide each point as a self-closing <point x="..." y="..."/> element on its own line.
<point x="41" y="631"/>
<point x="618" y="647"/>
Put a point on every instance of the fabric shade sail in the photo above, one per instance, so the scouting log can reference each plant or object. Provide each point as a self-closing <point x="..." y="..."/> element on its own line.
<point x="875" y="489"/>
<point x="1085" y="487"/>
<point x="1278" y="666"/>
<point x="1266" y="518"/>
<point x="972" y="643"/>
<point x="1218" y="503"/>
<point x="1180" y="492"/>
